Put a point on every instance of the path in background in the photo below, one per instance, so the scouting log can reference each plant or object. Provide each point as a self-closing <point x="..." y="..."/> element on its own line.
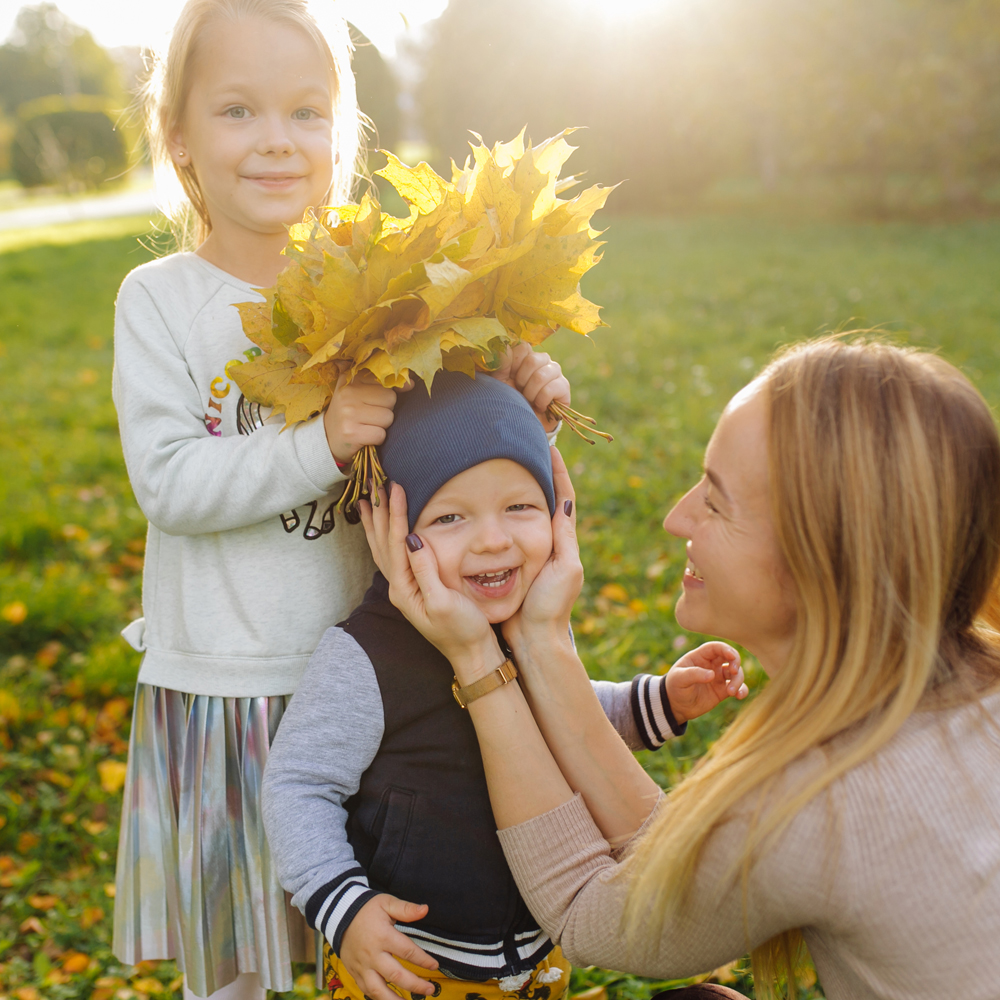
<point x="84" y="209"/>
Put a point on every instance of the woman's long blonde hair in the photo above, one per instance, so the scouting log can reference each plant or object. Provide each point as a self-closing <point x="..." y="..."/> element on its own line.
<point x="885" y="485"/>
<point x="165" y="93"/>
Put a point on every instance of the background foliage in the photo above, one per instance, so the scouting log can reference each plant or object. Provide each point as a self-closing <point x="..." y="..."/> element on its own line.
<point x="695" y="306"/>
<point x="870" y="106"/>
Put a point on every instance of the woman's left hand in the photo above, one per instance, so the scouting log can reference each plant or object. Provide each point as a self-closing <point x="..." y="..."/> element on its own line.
<point x="443" y="616"/>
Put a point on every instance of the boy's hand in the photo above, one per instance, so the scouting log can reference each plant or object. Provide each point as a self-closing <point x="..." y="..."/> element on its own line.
<point x="371" y="945"/>
<point x="699" y="680"/>
<point x="358" y="414"/>
<point x="537" y="377"/>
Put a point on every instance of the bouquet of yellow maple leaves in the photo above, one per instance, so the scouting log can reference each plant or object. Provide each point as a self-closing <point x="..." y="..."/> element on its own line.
<point x="492" y="258"/>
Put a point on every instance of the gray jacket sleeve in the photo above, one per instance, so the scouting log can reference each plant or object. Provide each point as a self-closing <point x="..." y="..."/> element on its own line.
<point x="327" y="739"/>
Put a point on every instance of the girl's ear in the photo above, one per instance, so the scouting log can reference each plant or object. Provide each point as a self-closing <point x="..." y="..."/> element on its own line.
<point x="178" y="148"/>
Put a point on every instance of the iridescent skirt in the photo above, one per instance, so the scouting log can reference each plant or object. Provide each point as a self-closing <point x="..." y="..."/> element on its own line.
<point x="195" y="880"/>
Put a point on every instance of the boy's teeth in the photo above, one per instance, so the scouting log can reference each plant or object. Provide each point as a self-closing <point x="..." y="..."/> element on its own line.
<point x="497" y="579"/>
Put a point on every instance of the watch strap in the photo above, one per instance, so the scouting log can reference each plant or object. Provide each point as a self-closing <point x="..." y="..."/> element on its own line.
<point x="503" y="674"/>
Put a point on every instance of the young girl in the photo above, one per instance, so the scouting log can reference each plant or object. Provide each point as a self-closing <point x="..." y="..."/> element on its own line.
<point x="253" y="111"/>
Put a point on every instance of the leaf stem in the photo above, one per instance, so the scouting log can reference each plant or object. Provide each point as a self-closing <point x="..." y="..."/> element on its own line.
<point x="576" y="421"/>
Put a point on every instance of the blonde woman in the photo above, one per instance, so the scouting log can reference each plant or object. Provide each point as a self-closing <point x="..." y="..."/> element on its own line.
<point x="847" y="532"/>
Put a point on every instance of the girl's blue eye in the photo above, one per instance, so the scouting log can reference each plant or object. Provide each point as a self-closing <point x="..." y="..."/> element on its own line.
<point x="304" y="114"/>
<point x="237" y="112"/>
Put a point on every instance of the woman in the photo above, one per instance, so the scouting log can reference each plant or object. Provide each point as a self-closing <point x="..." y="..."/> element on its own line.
<point x="847" y="533"/>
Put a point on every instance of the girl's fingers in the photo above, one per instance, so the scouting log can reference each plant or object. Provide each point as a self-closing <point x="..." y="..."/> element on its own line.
<point x="403" y="947"/>
<point x="403" y="979"/>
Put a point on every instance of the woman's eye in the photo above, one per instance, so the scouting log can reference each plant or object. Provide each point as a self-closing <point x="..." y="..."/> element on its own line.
<point x="709" y="504"/>
<point x="237" y="112"/>
<point x="304" y="114"/>
<point x="447" y="519"/>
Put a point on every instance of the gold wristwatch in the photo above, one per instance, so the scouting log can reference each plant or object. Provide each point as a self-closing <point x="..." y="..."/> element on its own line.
<point x="503" y="674"/>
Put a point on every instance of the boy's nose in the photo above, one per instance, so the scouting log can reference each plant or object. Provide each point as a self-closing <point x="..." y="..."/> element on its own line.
<point x="492" y="537"/>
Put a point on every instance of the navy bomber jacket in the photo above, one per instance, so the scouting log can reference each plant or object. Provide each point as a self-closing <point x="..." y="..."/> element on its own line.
<point x="354" y="808"/>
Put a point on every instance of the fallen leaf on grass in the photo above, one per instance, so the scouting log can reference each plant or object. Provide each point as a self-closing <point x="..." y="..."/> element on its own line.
<point x="594" y="993"/>
<point x="112" y="774"/>
<point x="27" y="842"/>
<point x="32" y="926"/>
<point x="614" y="592"/>
<point x="109" y="890"/>
<point x="90" y="916"/>
<point x="75" y="961"/>
<point x="40" y="902"/>
<point x="94" y="827"/>
<point x="27" y="993"/>
<point x="56" y="778"/>
<point x="15" y="612"/>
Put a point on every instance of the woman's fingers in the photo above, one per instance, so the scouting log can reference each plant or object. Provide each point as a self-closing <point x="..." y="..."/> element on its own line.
<point x="564" y="522"/>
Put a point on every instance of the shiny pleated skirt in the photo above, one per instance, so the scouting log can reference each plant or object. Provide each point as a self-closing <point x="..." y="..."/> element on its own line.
<point x="195" y="880"/>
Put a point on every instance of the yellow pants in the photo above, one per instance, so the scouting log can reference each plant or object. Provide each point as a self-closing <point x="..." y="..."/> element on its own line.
<point x="549" y="980"/>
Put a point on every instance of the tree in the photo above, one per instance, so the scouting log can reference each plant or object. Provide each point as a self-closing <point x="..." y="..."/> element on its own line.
<point x="48" y="54"/>
<point x="378" y="91"/>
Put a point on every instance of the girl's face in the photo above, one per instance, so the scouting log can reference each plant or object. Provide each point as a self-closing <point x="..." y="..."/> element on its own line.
<point x="736" y="584"/>
<point x="490" y="531"/>
<point x="257" y="126"/>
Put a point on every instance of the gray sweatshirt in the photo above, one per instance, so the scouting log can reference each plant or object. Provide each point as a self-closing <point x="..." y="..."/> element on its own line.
<point x="246" y="563"/>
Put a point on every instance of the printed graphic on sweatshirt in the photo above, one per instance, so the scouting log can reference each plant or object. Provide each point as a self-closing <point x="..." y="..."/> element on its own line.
<point x="248" y="419"/>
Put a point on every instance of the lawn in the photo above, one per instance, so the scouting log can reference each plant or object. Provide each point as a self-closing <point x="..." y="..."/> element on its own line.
<point x="694" y="307"/>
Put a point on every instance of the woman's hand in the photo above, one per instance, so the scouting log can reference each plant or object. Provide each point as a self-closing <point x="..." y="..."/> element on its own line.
<point x="699" y="680"/>
<point x="544" y="614"/>
<point x="443" y="616"/>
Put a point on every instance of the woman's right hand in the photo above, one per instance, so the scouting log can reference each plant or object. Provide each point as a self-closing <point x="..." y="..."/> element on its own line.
<point x="544" y="615"/>
<point x="443" y="616"/>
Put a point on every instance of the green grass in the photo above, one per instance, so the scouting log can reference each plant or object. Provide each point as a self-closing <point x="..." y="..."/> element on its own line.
<point x="694" y="307"/>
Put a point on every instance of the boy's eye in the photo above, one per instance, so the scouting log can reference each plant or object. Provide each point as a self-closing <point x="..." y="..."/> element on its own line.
<point x="519" y="506"/>
<point x="237" y="112"/>
<point x="447" y="519"/>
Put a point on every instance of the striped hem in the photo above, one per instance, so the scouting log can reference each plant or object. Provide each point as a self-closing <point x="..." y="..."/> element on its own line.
<point x="480" y="962"/>
<point x="654" y="717"/>
<point x="331" y="908"/>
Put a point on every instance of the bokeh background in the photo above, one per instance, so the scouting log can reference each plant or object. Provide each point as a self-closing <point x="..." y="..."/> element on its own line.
<point x="787" y="169"/>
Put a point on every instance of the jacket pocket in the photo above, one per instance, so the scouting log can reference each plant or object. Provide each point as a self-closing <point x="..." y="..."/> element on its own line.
<point x="394" y="814"/>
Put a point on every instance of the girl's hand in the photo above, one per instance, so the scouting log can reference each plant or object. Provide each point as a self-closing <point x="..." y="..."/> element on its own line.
<point x="371" y="945"/>
<point x="445" y="617"/>
<point x="699" y="680"/>
<point x="357" y="415"/>
<point x="545" y="613"/>
<point x="537" y="377"/>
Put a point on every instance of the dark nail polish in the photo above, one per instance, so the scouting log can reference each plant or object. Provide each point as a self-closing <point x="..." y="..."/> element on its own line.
<point x="568" y="508"/>
<point x="413" y="543"/>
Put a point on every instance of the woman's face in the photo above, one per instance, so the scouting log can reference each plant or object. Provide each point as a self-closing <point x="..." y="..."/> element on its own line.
<point x="736" y="584"/>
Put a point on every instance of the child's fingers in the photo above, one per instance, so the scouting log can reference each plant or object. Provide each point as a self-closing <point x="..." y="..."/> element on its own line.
<point x="392" y="972"/>
<point x="373" y="984"/>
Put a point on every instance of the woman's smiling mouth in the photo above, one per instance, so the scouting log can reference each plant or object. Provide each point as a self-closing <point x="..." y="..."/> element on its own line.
<point x="692" y="578"/>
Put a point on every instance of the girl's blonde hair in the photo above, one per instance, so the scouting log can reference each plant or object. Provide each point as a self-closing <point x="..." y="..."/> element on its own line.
<point x="885" y="488"/>
<point x="165" y="93"/>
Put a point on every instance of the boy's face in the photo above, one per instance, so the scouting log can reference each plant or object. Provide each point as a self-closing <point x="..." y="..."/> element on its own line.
<point x="491" y="534"/>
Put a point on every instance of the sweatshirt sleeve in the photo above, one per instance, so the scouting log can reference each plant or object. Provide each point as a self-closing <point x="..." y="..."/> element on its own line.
<point x="639" y="710"/>
<point x="327" y="739"/>
<point x="186" y="480"/>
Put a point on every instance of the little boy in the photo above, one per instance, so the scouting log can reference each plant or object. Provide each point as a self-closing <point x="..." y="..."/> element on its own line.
<point x="374" y="791"/>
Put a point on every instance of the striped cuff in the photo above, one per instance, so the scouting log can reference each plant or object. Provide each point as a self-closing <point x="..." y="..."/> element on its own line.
<point x="331" y="909"/>
<point x="654" y="717"/>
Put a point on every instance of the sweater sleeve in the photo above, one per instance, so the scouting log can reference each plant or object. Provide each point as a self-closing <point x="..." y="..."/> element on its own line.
<point x="187" y="481"/>
<point x="327" y="739"/>
<point x="639" y="710"/>
<point x="578" y="893"/>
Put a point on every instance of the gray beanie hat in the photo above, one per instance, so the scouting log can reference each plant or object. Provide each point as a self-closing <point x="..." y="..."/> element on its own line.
<point x="462" y="422"/>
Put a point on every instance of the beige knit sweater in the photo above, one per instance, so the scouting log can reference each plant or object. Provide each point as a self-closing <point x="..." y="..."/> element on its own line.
<point x="893" y="875"/>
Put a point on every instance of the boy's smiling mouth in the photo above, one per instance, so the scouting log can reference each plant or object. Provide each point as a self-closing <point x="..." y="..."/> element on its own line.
<point x="496" y="583"/>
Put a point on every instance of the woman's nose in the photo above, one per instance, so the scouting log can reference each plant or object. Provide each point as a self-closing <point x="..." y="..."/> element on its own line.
<point x="680" y="521"/>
